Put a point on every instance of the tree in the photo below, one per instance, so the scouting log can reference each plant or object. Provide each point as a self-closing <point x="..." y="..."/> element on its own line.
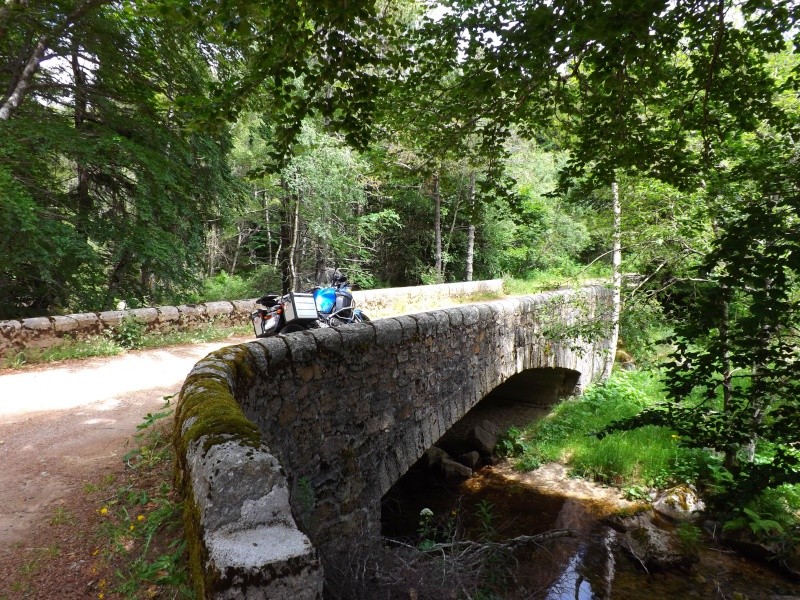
<point x="98" y="157"/>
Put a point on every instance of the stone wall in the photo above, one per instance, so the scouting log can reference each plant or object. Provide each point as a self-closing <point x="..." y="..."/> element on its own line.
<point x="346" y="412"/>
<point x="44" y="332"/>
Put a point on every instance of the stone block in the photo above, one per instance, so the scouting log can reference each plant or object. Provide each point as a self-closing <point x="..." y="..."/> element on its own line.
<point x="328" y="339"/>
<point x="302" y="347"/>
<point x="64" y="325"/>
<point x="276" y="350"/>
<point x="454" y="472"/>
<point x="168" y="314"/>
<point x="189" y="313"/>
<point x="37" y="324"/>
<point x="426" y="324"/>
<point x="112" y="318"/>
<point x="483" y="437"/>
<point x="253" y="543"/>
<point x="470" y="459"/>
<point x="218" y="309"/>
<point x="388" y="332"/>
<point x="243" y="307"/>
<point x="145" y="315"/>
<point x="357" y="339"/>
<point x="469" y="315"/>
<point x="9" y="328"/>
<point x="87" y="323"/>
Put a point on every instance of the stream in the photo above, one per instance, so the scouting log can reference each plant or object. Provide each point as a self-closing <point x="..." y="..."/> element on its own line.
<point x="589" y="565"/>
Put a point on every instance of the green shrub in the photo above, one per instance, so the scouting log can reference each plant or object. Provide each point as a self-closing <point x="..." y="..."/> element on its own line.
<point x="130" y="333"/>
<point x="650" y="456"/>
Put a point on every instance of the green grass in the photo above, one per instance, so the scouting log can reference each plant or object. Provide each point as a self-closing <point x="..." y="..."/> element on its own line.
<point x="120" y="340"/>
<point x="142" y="550"/>
<point x="650" y="456"/>
<point x="553" y="279"/>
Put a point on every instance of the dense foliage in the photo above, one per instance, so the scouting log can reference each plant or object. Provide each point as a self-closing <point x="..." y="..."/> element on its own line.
<point x="167" y="150"/>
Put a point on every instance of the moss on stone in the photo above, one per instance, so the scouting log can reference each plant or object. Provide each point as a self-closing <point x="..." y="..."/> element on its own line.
<point x="208" y="403"/>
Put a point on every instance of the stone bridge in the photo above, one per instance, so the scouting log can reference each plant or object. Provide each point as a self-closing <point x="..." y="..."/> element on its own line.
<point x="286" y="445"/>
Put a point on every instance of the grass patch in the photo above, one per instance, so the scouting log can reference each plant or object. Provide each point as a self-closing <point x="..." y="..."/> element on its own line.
<point x="552" y="279"/>
<point x="650" y="456"/>
<point x="141" y="548"/>
<point x="128" y="336"/>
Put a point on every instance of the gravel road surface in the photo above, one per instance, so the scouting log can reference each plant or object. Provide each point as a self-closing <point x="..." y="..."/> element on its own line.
<point x="61" y="424"/>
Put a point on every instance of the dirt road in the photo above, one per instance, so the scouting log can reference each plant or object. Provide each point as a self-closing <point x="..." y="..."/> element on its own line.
<point x="60" y="425"/>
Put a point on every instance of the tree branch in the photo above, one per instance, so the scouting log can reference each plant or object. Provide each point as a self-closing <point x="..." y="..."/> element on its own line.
<point x="22" y="85"/>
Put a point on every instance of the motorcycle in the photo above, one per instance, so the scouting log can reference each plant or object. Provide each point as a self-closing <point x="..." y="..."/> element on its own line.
<point x="335" y="304"/>
<point x="322" y="306"/>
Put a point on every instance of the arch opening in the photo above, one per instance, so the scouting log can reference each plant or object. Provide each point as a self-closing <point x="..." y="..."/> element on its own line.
<point x="434" y="479"/>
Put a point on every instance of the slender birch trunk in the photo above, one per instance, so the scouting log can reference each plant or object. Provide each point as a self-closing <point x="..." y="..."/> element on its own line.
<point x="471" y="228"/>
<point x="616" y="281"/>
<point x="437" y="225"/>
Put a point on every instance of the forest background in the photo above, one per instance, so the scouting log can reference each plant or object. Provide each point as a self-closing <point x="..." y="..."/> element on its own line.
<point x="167" y="151"/>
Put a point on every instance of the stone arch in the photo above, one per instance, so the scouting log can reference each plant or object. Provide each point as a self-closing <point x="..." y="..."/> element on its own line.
<point x="343" y="413"/>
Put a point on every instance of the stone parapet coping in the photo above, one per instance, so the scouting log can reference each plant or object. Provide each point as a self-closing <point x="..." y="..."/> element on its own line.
<point x="44" y="332"/>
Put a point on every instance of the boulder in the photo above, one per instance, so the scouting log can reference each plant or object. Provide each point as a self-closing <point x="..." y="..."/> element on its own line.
<point x="483" y="437"/>
<point x="434" y="456"/>
<point x="454" y="472"/>
<point x="680" y="503"/>
<point x="470" y="459"/>
<point x="652" y="547"/>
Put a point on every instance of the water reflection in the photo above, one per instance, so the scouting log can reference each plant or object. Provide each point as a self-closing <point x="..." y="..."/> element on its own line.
<point x="572" y="585"/>
<point x="589" y="566"/>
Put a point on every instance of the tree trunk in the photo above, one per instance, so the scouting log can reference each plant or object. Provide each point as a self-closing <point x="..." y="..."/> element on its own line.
<point x="212" y="245"/>
<point x="268" y="227"/>
<point x="295" y="245"/>
<point x="283" y="255"/>
<point x="82" y="198"/>
<point x="21" y="86"/>
<point x="437" y="226"/>
<point x="616" y="280"/>
<point x="471" y="229"/>
<point x="239" y="239"/>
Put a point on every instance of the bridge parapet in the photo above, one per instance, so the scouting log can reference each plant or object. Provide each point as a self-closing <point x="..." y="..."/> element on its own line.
<point x="345" y="412"/>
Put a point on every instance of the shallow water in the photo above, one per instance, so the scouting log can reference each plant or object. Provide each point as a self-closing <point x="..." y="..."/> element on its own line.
<point x="586" y="567"/>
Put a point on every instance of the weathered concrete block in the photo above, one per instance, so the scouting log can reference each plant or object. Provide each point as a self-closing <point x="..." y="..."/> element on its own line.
<point x="218" y="309"/>
<point x="145" y="315"/>
<point x="38" y="324"/>
<point x="64" y="324"/>
<point x="254" y="548"/>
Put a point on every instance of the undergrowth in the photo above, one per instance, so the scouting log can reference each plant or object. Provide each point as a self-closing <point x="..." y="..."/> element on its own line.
<point x="650" y="456"/>
<point x="140" y="544"/>
<point x="555" y="278"/>
<point x="129" y="335"/>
